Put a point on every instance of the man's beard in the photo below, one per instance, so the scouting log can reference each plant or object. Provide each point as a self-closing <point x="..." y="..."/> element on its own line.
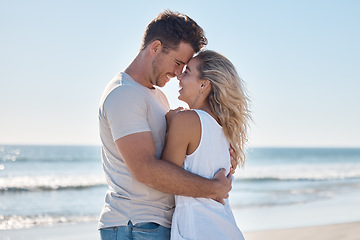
<point x="156" y="75"/>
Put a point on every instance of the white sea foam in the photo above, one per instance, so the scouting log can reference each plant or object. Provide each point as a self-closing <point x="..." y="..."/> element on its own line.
<point x="38" y="183"/>
<point x="18" y="222"/>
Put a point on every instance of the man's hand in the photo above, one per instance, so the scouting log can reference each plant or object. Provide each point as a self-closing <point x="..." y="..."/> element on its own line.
<point x="224" y="186"/>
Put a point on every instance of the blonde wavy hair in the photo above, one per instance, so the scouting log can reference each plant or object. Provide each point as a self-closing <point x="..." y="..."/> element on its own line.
<point x="228" y="99"/>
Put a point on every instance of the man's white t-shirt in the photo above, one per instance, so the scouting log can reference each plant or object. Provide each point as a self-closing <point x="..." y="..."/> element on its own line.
<point x="128" y="107"/>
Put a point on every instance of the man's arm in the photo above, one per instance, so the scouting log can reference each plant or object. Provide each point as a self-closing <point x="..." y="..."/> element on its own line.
<point x="138" y="152"/>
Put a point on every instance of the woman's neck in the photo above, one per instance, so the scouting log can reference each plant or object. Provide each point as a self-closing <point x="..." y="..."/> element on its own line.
<point x="206" y="108"/>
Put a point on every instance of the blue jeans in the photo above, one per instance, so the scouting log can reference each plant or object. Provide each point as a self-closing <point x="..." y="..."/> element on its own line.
<point x="140" y="231"/>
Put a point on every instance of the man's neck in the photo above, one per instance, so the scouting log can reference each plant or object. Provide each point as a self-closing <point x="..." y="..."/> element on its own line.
<point x="138" y="71"/>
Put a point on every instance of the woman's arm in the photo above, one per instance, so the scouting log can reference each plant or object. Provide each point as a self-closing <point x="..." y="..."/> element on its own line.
<point x="183" y="137"/>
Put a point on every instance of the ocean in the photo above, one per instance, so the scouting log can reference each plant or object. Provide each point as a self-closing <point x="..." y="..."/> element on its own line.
<point x="49" y="185"/>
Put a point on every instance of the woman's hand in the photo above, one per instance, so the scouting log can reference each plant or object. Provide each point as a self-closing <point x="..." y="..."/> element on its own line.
<point x="170" y="115"/>
<point x="233" y="161"/>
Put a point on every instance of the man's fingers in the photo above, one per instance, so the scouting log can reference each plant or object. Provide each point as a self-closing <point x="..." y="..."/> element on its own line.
<point x="220" y="200"/>
<point x="221" y="171"/>
<point x="230" y="176"/>
<point x="225" y="185"/>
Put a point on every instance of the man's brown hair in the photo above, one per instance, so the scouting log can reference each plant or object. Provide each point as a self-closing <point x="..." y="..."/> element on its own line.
<point x="171" y="28"/>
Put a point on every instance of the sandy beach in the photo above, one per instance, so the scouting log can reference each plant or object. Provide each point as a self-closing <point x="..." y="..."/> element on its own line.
<point x="87" y="231"/>
<point x="78" y="231"/>
<point x="344" y="231"/>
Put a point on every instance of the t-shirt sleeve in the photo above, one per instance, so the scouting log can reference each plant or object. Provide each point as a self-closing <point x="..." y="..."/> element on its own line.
<point x="126" y="112"/>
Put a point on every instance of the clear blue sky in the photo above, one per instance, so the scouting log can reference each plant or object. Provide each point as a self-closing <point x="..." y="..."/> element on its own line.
<point x="299" y="59"/>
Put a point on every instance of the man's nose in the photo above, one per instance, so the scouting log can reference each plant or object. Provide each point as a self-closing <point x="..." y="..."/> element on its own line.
<point x="177" y="72"/>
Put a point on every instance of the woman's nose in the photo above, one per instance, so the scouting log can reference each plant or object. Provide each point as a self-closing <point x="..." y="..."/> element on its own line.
<point x="179" y="76"/>
<point x="177" y="72"/>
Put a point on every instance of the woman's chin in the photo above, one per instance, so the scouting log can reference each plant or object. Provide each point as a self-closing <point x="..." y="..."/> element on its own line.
<point x="181" y="99"/>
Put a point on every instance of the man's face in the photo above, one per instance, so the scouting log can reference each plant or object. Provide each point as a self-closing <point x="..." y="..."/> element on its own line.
<point x="169" y="65"/>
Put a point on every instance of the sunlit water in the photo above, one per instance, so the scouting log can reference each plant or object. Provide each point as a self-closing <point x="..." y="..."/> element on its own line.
<point x="47" y="185"/>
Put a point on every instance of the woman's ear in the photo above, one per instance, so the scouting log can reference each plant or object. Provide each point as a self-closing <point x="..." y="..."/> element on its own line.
<point x="205" y="84"/>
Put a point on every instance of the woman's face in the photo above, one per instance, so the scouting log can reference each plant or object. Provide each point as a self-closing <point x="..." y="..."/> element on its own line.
<point x="189" y="82"/>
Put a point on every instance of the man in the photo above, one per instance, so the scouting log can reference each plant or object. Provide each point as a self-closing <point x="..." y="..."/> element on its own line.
<point x="139" y="203"/>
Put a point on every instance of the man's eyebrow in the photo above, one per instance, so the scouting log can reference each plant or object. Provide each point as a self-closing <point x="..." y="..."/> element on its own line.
<point x="179" y="61"/>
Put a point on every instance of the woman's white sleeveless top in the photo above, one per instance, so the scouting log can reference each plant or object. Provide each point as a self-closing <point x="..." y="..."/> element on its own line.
<point x="201" y="218"/>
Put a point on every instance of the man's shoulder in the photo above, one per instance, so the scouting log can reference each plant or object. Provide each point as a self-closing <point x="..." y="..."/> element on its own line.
<point x="124" y="94"/>
<point x="123" y="82"/>
<point x="122" y="87"/>
<point x="121" y="92"/>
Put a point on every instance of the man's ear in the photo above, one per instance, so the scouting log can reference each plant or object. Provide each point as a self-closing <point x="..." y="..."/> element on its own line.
<point x="155" y="47"/>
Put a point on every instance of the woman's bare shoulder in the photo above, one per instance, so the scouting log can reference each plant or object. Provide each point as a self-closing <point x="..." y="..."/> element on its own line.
<point x="186" y="117"/>
<point x="186" y="125"/>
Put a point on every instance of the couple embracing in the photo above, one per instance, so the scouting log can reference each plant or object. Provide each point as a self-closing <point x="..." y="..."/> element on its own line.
<point x="151" y="153"/>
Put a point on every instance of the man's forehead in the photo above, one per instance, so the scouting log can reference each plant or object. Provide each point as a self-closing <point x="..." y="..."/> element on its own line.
<point x="184" y="57"/>
<point x="180" y="61"/>
<point x="184" y="53"/>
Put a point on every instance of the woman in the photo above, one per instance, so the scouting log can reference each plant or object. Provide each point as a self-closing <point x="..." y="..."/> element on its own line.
<point x="198" y="140"/>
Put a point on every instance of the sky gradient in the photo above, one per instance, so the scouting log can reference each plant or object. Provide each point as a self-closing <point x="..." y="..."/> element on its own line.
<point x="300" y="61"/>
